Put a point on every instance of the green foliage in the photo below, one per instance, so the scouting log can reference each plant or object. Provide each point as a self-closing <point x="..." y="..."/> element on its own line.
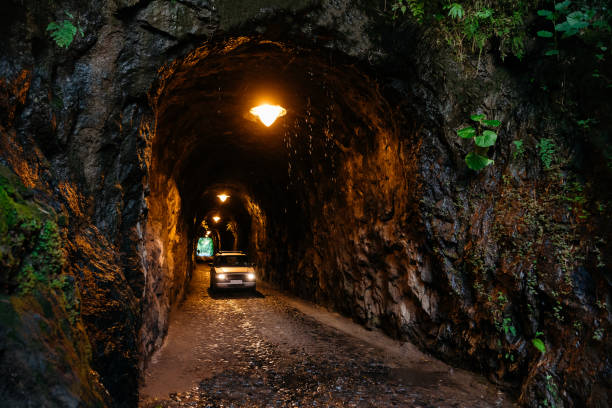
<point x="519" y="149"/>
<point x="486" y="139"/>
<point x="545" y="34"/>
<point x="573" y="194"/>
<point x="586" y="123"/>
<point x="476" y="23"/>
<point x="63" y="33"/>
<point x="508" y="327"/>
<point x="538" y="343"/>
<point x="477" y="162"/>
<point x="483" y="139"/>
<point x="455" y="10"/>
<point x="546" y="149"/>
<point x="598" y="334"/>
<point x="31" y="233"/>
<point x="416" y="8"/>
<point x="586" y="20"/>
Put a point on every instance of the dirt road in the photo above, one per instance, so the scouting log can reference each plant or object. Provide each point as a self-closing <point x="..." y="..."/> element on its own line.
<point x="271" y="350"/>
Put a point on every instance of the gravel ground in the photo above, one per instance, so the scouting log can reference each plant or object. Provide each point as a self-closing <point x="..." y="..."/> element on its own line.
<point x="267" y="349"/>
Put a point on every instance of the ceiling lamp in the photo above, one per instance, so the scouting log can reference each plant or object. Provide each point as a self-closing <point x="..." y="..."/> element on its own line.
<point x="216" y="218"/>
<point x="267" y="114"/>
<point x="223" y="197"/>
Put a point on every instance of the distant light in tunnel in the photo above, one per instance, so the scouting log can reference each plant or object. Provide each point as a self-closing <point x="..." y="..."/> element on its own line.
<point x="216" y="218"/>
<point x="223" y="197"/>
<point x="268" y="113"/>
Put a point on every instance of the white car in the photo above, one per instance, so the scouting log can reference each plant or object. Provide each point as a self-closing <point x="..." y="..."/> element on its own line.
<point x="231" y="270"/>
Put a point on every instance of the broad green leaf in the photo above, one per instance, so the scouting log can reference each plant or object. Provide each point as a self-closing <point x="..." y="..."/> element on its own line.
<point x="539" y="344"/>
<point x="546" y="13"/>
<point x="545" y="34"/>
<point x="551" y="52"/>
<point x="477" y="162"/>
<point x="487" y="139"/>
<point x="477" y="118"/>
<point x="578" y="20"/>
<point x="577" y="25"/>
<point x="563" y="5"/>
<point x="467" y="133"/>
<point x="491" y="123"/>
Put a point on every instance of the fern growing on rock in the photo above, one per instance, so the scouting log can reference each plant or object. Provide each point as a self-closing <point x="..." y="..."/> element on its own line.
<point x="547" y="152"/>
<point x="63" y="33"/>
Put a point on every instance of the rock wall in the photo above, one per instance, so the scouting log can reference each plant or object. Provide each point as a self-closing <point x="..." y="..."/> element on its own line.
<point x="478" y="268"/>
<point x="393" y="229"/>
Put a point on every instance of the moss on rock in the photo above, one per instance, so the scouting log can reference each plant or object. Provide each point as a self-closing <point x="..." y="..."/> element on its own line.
<point x="45" y="349"/>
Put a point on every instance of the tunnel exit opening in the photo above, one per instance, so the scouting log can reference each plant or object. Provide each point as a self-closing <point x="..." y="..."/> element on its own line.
<point x="205" y="247"/>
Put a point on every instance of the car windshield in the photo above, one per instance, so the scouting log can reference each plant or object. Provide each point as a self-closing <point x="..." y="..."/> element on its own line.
<point x="232" y="260"/>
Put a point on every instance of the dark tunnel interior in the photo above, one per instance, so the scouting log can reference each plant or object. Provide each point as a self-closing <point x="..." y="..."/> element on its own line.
<point x="279" y="178"/>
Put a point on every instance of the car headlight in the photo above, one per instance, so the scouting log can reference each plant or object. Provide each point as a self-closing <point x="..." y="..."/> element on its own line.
<point x="221" y="276"/>
<point x="251" y="276"/>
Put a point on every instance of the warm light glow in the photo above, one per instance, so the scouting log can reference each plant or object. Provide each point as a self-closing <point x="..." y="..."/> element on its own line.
<point x="220" y="276"/>
<point x="251" y="276"/>
<point x="216" y="218"/>
<point x="268" y="113"/>
<point x="223" y="197"/>
<point x="207" y="233"/>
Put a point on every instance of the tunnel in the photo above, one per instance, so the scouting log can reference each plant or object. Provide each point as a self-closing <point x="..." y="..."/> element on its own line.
<point x="122" y="123"/>
<point x="288" y="183"/>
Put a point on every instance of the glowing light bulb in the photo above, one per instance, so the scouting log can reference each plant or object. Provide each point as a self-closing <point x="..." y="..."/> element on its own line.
<point x="216" y="218"/>
<point x="223" y="197"/>
<point x="268" y="113"/>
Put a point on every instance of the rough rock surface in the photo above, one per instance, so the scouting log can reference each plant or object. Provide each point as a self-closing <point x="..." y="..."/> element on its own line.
<point x="363" y="203"/>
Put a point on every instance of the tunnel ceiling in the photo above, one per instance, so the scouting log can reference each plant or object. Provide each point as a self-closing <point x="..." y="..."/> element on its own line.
<point x="205" y="136"/>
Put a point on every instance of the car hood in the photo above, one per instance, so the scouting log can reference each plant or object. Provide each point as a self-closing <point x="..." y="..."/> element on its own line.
<point x="233" y="269"/>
